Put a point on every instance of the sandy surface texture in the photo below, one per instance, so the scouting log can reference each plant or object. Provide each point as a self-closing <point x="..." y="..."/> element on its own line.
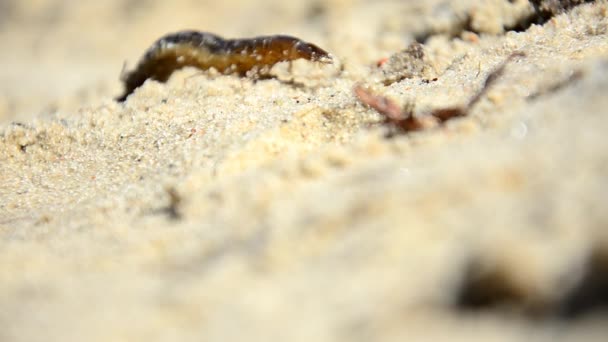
<point x="460" y="196"/>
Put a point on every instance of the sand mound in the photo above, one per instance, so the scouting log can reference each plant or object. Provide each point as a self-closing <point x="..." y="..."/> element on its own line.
<point x="225" y="208"/>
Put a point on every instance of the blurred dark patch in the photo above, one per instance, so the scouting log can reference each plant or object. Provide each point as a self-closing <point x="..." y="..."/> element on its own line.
<point x="317" y="16"/>
<point x="457" y="27"/>
<point x="555" y="7"/>
<point x="486" y="289"/>
<point x="317" y="11"/>
<point x="175" y="201"/>
<point x="130" y="8"/>
<point x="47" y="15"/>
<point x="591" y="294"/>
<point x="544" y="10"/>
<point x="7" y="10"/>
<point x="52" y="15"/>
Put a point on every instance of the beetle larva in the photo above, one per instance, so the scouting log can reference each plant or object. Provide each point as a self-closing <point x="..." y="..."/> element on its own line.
<point x="205" y="50"/>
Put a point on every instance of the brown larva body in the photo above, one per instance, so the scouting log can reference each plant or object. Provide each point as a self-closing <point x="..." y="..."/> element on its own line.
<point x="205" y="50"/>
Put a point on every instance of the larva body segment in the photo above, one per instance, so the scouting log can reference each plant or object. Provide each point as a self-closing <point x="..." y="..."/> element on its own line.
<point x="205" y="50"/>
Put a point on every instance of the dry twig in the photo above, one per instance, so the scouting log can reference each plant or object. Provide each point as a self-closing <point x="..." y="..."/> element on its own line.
<point x="403" y="120"/>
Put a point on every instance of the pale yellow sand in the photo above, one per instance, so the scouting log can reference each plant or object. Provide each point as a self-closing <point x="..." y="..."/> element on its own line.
<point x="215" y="208"/>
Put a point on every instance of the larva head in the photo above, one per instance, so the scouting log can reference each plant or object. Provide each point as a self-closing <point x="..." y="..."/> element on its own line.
<point x="312" y="52"/>
<point x="293" y="48"/>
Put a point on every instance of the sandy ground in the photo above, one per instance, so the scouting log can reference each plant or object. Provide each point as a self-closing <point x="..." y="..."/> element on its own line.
<point x="219" y="208"/>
